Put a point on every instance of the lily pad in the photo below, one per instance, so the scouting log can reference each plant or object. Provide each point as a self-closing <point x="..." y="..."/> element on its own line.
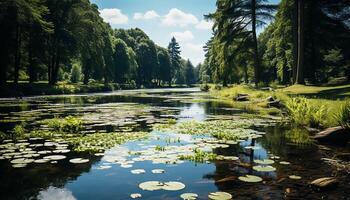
<point x="151" y="185"/>
<point x="231" y="158"/>
<point x="61" y="151"/>
<point x="295" y="177"/>
<point x="260" y="168"/>
<point x="126" y="166"/>
<point x="189" y="196"/>
<point x="138" y="171"/>
<point x="55" y="157"/>
<point x="158" y="171"/>
<point x="173" y="186"/>
<point x="220" y="196"/>
<point x="41" y="161"/>
<point x="78" y="160"/>
<point x="284" y="163"/>
<point x="250" y="179"/>
<point x="264" y="162"/>
<point x="22" y="161"/>
<point x="135" y="195"/>
<point x="19" y="165"/>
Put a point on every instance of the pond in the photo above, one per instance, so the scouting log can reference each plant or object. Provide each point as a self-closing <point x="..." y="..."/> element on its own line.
<point x="280" y="162"/>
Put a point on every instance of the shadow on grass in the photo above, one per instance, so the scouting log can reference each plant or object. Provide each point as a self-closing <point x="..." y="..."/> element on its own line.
<point x="332" y="94"/>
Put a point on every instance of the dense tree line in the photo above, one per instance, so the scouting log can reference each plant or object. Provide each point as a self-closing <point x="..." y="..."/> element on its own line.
<point x="54" y="40"/>
<point x="306" y="41"/>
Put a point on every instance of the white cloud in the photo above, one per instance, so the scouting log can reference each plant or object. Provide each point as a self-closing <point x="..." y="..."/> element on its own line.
<point x="194" y="52"/>
<point x="176" y="17"/>
<point x="113" y="16"/>
<point x="204" y="25"/>
<point x="182" y="36"/>
<point x="151" y="14"/>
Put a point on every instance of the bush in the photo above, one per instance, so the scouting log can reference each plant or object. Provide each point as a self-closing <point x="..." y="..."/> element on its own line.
<point x="343" y="116"/>
<point x="205" y="88"/>
<point x="217" y="87"/>
<point x="261" y="85"/>
<point x="302" y="113"/>
<point x="274" y="84"/>
<point x="75" y="74"/>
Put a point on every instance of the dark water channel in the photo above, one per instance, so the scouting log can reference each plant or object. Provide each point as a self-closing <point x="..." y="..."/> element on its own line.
<point x="138" y="110"/>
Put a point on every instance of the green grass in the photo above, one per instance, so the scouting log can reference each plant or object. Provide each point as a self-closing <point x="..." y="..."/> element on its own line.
<point x="329" y="97"/>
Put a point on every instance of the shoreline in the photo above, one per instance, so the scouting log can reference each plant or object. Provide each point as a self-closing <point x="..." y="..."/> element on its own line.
<point x="25" y="90"/>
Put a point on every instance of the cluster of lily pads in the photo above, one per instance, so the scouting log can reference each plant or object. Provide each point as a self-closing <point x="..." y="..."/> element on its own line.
<point x="36" y="151"/>
<point x="221" y="129"/>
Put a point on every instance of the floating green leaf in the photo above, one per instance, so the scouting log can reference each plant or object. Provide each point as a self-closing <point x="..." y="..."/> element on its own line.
<point x="220" y="196"/>
<point x="250" y="178"/>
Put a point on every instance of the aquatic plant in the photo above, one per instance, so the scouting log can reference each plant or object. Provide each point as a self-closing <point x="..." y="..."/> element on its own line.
<point x="250" y="178"/>
<point x="189" y="196"/>
<point x="342" y="117"/>
<point x="98" y="142"/>
<point x="69" y="124"/>
<point x="220" y="196"/>
<point x="19" y="130"/>
<point x="221" y="129"/>
<point x="159" y="148"/>
<point x="157" y="185"/>
<point x="303" y="113"/>
<point x="199" y="156"/>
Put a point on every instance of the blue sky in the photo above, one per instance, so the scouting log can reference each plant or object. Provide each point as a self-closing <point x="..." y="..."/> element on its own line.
<point x="162" y="19"/>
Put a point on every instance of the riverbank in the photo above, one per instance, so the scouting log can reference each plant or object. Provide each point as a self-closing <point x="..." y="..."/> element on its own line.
<point x="329" y="97"/>
<point x="23" y="89"/>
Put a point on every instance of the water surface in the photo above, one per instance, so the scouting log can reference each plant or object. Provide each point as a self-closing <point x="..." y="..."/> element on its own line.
<point x="139" y="110"/>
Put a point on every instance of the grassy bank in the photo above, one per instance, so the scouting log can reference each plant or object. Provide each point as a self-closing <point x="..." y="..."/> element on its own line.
<point x="43" y="88"/>
<point x="316" y="98"/>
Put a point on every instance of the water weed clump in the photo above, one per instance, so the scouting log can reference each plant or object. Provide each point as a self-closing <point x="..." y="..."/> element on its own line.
<point x="199" y="156"/>
<point x="69" y="124"/>
<point x="221" y="129"/>
<point x="303" y="113"/>
<point x="343" y="116"/>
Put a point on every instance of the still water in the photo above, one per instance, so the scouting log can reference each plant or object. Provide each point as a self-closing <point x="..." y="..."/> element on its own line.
<point x="139" y="110"/>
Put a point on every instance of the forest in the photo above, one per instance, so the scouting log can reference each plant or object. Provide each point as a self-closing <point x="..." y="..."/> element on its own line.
<point x="68" y="41"/>
<point x="304" y="42"/>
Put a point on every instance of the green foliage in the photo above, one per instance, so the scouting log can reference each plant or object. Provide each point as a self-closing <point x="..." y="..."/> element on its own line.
<point x="3" y="136"/>
<point x="19" y="130"/>
<point x="342" y="117"/>
<point x="221" y="129"/>
<point x="75" y="73"/>
<point x="69" y="125"/>
<point x="204" y="87"/>
<point x="199" y="156"/>
<point x="160" y="148"/>
<point x="303" y="113"/>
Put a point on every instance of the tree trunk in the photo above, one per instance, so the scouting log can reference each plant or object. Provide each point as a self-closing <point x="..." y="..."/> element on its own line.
<point x="31" y="64"/>
<point x="295" y="41"/>
<point x="54" y="68"/>
<point x="300" y="67"/>
<point x="255" y="43"/>
<point x="245" y="73"/>
<point x="17" y="53"/>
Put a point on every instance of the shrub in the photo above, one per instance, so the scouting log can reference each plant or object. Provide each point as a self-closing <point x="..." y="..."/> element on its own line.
<point x="343" y="116"/>
<point x="75" y="73"/>
<point x="302" y="113"/>
<point x="205" y="87"/>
